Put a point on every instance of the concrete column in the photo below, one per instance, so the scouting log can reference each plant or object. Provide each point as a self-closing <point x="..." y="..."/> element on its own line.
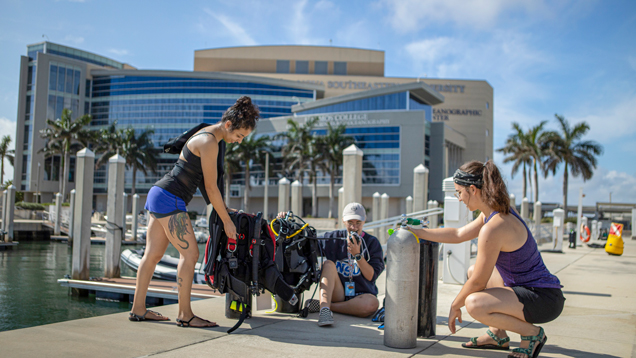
<point x="135" y="207"/>
<point x="536" y="215"/>
<point x="71" y="217"/>
<point x="58" y="213"/>
<point x="9" y="212"/>
<point x="375" y="212"/>
<point x="352" y="174"/>
<point x="512" y="201"/>
<point x="634" y="224"/>
<point x="456" y="256"/>
<point x="114" y="208"/>
<point x="525" y="209"/>
<point x="84" y="171"/>
<point x="384" y="214"/>
<point x="124" y="209"/>
<point x="433" y="219"/>
<point x="341" y="206"/>
<point x="420" y="188"/>
<point x="266" y="190"/>
<point x="283" y="195"/>
<point x="409" y="204"/>
<point x="558" y="216"/>
<point x="297" y="198"/>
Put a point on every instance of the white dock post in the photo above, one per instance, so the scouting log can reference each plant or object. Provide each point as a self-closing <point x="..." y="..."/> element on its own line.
<point x="433" y="219"/>
<point x="352" y="175"/>
<point x="420" y="188"/>
<point x="384" y="214"/>
<point x="512" y="201"/>
<point x="536" y="215"/>
<point x="9" y="209"/>
<point x="375" y="212"/>
<point x="297" y="198"/>
<point x="456" y="215"/>
<point x="409" y="205"/>
<point x="114" y="208"/>
<point x="135" y="217"/>
<point x="71" y="217"/>
<point x="341" y="206"/>
<point x="84" y="171"/>
<point x="58" y="213"/>
<point x="124" y="205"/>
<point x="525" y="209"/>
<point x="283" y="195"/>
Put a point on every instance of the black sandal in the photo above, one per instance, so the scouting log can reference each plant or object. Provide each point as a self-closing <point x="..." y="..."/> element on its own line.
<point x="499" y="346"/>
<point x="137" y="318"/>
<point x="184" y="323"/>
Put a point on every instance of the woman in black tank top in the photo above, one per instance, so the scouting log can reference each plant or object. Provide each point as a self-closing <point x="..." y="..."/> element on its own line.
<point x="198" y="166"/>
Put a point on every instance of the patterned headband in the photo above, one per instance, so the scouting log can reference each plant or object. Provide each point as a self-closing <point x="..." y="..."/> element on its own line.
<point x="467" y="179"/>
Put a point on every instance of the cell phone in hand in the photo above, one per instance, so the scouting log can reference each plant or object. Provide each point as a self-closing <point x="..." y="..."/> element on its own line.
<point x="354" y="235"/>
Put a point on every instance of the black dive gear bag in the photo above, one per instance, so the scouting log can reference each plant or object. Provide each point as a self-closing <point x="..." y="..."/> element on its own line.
<point x="244" y="266"/>
<point x="175" y="145"/>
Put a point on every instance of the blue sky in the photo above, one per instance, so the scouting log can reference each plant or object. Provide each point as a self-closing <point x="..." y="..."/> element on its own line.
<point x="575" y="58"/>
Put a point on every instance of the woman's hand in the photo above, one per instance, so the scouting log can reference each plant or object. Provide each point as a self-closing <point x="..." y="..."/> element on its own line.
<point x="455" y="313"/>
<point x="230" y="229"/>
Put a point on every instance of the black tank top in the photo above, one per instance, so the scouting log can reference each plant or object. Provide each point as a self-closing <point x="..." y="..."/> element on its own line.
<point x="187" y="175"/>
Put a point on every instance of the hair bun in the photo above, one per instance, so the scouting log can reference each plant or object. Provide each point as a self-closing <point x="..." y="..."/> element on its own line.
<point x="242" y="114"/>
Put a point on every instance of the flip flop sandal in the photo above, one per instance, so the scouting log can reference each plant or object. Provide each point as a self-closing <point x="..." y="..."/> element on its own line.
<point x="184" y="323"/>
<point x="499" y="346"/>
<point x="137" y="318"/>
<point x="539" y="340"/>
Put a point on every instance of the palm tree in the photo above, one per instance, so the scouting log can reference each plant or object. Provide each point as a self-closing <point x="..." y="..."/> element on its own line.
<point x="334" y="143"/>
<point x="66" y="131"/>
<point x="139" y="152"/>
<point x="5" y="152"/>
<point x="535" y="140"/>
<point x="251" y="150"/>
<point x="231" y="164"/>
<point x="517" y="152"/>
<point x="109" y="142"/>
<point x="297" y="150"/>
<point x="568" y="148"/>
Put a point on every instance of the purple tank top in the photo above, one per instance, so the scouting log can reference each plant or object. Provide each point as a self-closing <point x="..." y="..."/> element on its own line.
<point x="524" y="266"/>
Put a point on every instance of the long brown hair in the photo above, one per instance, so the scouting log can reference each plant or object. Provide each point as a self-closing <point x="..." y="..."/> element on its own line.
<point x="493" y="191"/>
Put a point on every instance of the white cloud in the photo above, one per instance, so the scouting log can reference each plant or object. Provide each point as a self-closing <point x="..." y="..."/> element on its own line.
<point x="412" y="15"/>
<point x="235" y="30"/>
<point x="610" y="122"/>
<point x="77" y="40"/>
<point x="118" y="52"/>
<point x="7" y="127"/>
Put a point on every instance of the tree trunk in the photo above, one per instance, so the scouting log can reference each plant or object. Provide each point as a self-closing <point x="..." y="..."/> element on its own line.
<point x="331" y="185"/>
<point x="524" y="180"/>
<point x="530" y="180"/>
<point x="246" y="191"/>
<point x="67" y="167"/>
<point x="2" y="171"/>
<point x="565" y="189"/>
<point x="536" y="183"/>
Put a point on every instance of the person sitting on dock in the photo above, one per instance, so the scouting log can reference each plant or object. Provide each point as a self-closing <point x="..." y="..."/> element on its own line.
<point x="509" y="287"/>
<point x="353" y="263"/>
<point x="200" y="165"/>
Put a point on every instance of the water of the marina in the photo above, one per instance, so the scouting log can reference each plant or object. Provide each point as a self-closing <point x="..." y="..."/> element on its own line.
<point x="29" y="292"/>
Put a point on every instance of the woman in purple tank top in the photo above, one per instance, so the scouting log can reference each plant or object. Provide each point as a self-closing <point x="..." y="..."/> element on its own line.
<point x="509" y="288"/>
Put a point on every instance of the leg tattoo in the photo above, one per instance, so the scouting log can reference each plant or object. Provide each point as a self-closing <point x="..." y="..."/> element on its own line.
<point x="179" y="279"/>
<point x="178" y="225"/>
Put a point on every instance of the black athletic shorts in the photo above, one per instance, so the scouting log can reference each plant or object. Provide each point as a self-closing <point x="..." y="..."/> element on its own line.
<point x="540" y="305"/>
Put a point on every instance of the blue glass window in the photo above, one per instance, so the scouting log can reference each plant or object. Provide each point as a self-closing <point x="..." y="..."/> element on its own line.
<point x="340" y="68"/>
<point x="394" y="101"/>
<point x="53" y="78"/>
<point x="321" y="67"/>
<point x="76" y="82"/>
<point x="302" y="67"/>
<point x="50" y="109"/>
<point x="61" y="75"/>
<point x="282" y="66"/>
<point x="59" y="106"/>
<point x="69" y="80"/>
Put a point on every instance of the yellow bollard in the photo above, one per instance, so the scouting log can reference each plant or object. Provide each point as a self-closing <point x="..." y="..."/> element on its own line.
<point x="614" y="244"/>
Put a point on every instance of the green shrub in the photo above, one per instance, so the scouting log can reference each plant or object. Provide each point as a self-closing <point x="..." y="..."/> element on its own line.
<point x="29" y="206"/>
<point x="546" y="220"/>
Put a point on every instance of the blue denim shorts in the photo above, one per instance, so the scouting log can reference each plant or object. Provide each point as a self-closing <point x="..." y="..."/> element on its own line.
<point x="161" y="203"/>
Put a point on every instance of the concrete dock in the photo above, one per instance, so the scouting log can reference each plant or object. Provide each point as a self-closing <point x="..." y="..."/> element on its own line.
<point x="599" y="320"/>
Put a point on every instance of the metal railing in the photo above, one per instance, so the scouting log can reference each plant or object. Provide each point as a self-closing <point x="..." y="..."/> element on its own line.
<point x="392" y="220"/>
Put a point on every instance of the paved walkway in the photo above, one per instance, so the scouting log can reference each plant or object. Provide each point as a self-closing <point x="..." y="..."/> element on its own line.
<point x="599" y="320"/>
